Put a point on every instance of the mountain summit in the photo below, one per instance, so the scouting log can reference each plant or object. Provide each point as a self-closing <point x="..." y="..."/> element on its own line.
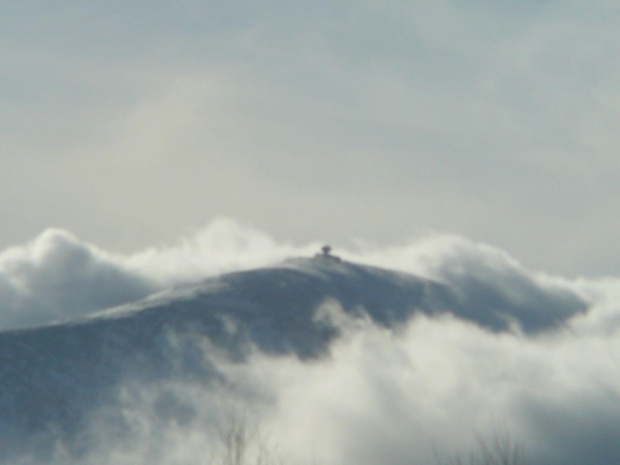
<point x="53" y="377"/>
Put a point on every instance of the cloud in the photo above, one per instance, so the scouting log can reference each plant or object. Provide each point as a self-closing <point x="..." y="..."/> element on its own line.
<point x="392" y="398"/>
<point x="434" y="389"/>
<point x="382" y="395"/>
<point x="224" y="245"/>
<point x="428" y="391"/>
<point x="56" y="277"/>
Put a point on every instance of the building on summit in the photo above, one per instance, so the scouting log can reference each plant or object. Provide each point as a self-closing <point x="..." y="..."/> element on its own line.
<point x="325" y="254"/>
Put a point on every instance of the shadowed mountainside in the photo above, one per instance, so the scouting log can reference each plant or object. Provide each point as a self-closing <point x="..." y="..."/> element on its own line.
<point x="53" y="377"/>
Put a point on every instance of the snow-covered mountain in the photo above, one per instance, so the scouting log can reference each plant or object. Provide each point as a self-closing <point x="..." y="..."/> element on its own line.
<point x="52" y="378"/>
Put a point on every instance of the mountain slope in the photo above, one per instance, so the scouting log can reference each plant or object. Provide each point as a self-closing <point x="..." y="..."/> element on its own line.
<point x="52" y="378"/>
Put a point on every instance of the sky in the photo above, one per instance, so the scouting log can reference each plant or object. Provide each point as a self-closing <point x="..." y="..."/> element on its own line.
<point x="150" y="144"/>
<point x="133" y="124"/>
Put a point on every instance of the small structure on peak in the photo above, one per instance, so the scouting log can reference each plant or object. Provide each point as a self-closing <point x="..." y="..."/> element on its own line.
<point x="325" y="254"/>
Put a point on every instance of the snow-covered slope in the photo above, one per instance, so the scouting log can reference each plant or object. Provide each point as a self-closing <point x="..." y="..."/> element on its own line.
<point x="53" y="377"/>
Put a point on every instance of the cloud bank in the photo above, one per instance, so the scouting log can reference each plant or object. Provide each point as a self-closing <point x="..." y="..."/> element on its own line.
<point x="388" y="396"/>
<point x="423" y="393"/>
<point x="56" y="277"/>
<point x="59" y="277"/>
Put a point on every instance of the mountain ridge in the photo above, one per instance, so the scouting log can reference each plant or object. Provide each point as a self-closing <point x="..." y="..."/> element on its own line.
<point x="53" y="377"/>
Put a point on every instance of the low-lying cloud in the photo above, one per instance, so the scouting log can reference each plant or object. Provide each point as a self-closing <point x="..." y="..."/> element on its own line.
<point x="398" y="398"/>
<point x="425" y="391"/>
<point x="59" y="277"/>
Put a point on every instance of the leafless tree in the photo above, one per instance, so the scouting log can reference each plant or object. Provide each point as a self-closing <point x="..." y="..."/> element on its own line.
<point x="501" y="449"/>
<point x="243" y="443"/>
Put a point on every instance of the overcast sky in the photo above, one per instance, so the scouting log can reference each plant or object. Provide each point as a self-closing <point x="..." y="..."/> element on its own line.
<point x="132" y="123"/>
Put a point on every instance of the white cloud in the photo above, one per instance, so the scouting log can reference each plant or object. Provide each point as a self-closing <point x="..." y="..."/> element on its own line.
<point x="396" y="398"/>
<point x="59" y="277"/>
<point x="56" y="277"/>
<point x="442" y="382"/>
<point x="222" y="246"/>
<point x="382" y="396"/>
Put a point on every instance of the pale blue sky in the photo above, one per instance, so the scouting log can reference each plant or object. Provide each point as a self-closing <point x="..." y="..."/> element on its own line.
<point x="130" y="123"/>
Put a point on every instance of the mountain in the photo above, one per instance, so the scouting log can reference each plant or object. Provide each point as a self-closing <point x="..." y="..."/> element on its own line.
<point x="53" y="378"/>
